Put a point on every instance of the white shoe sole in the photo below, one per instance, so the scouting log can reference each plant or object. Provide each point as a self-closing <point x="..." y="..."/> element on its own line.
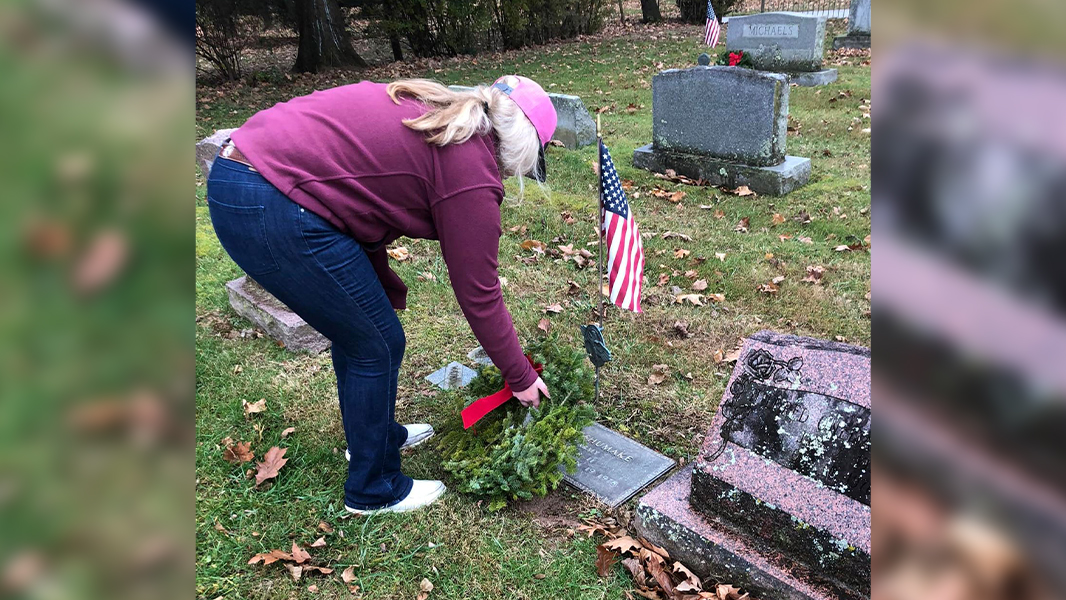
<point x="400" y="507"/>
<point x="348" y="453"/>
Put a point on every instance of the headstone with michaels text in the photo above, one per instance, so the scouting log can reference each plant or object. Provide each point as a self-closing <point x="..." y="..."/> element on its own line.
<point x="778" y="502"/>
<point x="724" y="125"/>
<point x="783" y="42"/>
<point x="859" y="27"/>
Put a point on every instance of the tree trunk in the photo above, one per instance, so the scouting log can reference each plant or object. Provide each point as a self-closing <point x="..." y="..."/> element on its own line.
<point x="397" y="49"/>
<point x="650" y="11"/>
<point x="621" y="13"/>
<point x="324" y="39"/>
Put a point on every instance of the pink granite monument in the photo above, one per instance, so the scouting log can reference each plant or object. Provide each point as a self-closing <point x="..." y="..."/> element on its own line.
<point x="779" y="500"/>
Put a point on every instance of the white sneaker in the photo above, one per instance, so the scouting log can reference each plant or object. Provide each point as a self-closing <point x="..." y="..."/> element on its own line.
<point x="416" y="434"/>
<point x="423" y="493"/>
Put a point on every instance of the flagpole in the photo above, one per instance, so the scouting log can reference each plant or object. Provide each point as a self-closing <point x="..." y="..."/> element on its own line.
<point x="599" y="226"/>
<point x="599" y="237"/>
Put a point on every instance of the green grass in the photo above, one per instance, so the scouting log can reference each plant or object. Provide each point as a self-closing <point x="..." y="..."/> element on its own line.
<point x="463" y="549"/>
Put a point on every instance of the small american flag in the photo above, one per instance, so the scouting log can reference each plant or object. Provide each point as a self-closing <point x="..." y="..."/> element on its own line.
<point x="710" y="35"/>
<point x="625" y="251"/>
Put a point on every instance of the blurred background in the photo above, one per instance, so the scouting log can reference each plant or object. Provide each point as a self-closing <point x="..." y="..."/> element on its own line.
<point x="969" y="301"/>
<point x="96" y="299"/>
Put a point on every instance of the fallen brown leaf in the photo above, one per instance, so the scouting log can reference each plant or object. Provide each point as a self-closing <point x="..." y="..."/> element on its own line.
<point x="426" y="276"/>
<point x="101" y="263"/>
<point x="273" y="461"/>
<point x="287" y="432"/>
<point x="348" y="575"/>
<point x="299" y="555"/>
<point x="240" y="452"/>
<point x="700" y="285"/>
<point x="657" y="376"/>
<point x="251" y="408"/>
<point x="814" y="274"/>
<point x="534" y="245"/>
<point x="296" y="571"/>
<point x="544" y="325"/>
<point x="319" y="542"/>
<point x="626" y="543"/>
<point x="399" y="253"/>
<point x="681" y="253"/>
<point x="743" y="225"/>
<point x="325" y="527"/>
<point x="605" y="559"/>
<point x="695" y="299"/>
<point x="554" y="308"/>
<point x="768" y="288"/>
<point x="777" y="219"/>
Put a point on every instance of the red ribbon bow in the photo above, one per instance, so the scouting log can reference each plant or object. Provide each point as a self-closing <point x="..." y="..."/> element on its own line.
<point x="483" y="406"/>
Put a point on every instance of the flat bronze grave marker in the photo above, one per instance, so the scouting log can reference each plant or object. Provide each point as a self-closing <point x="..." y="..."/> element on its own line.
<point x="614" y="468"/>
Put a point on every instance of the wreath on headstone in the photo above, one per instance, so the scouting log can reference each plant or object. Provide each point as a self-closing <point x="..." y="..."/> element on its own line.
<point x="735" y="59"/>
<point x="515" y="452"/>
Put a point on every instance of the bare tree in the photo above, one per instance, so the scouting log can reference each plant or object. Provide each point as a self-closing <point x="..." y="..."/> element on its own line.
<point x="217" y="37"/>
<point x="324" y="38"/>
<point x="650" y="11"/>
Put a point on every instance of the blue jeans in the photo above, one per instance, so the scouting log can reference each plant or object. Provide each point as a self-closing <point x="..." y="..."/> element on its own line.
<point x="325" y="277"/>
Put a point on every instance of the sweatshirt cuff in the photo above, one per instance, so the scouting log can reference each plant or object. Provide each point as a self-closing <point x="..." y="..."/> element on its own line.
<point x="528" y="378"/>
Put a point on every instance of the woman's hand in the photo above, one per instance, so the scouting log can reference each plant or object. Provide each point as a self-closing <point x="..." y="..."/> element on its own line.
<point x="531" y="395"/>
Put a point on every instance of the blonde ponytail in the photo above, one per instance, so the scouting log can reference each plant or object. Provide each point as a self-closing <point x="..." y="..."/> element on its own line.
<point x="454" y="117"/>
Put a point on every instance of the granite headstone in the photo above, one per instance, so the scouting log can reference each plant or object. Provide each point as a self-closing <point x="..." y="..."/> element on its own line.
<point x="784" y="42"/>
<point x="257" y="305"/>
<point x="724" y="125"/>
<point x="575" y="127"/>
<point x="779" y="500"/>
<point x="859" y="27"/>
<point x="779" y="41"/>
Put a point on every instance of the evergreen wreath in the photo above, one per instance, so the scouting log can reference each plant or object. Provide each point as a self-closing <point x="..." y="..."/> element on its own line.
<point x="735" y="59"/>
<point x="505" y="458"/>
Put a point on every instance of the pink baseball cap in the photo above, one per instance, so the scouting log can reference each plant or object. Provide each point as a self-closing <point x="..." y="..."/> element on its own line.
<point x="538" y="108"/>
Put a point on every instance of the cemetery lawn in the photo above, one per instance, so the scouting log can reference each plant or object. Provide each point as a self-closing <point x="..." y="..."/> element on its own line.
<point x="525" y="551"/>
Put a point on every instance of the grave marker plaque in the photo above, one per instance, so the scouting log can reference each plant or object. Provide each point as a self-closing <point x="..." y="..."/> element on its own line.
<point x="452" y="376"/>
<point x="613" y="467"/>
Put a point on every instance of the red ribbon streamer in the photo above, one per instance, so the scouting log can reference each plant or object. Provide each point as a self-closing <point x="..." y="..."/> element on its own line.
<point x="483" y="406"/>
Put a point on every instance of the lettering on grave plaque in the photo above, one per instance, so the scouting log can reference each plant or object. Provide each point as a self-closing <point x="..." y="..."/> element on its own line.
<point x="771" y="30"/>
<point x="614" y="467"/>
<point x="823" y="437"/>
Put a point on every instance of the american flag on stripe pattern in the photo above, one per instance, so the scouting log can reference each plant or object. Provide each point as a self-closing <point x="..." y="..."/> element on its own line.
<point x="625" y="251"/>
<point x="710" y="35"/>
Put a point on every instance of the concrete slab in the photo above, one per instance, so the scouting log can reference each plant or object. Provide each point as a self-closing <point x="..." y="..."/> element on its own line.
<point x="814" y="78"/>
<point x="258" y="306"/>
<point x="665" y="517"/>
<point x="776" y="180"/>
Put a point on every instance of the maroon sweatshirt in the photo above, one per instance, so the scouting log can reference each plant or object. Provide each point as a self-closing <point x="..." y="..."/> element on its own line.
<point x="345" y="155"/>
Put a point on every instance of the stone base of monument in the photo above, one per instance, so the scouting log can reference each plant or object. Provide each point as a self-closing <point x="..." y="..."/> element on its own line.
<point x="207" y="149"/>
<point x="777" y="180"/>
<point x="853" y="41"/>
<point x="257" y="305"/>
<point x="813" y="78"/>
<point x="666" y="518"/>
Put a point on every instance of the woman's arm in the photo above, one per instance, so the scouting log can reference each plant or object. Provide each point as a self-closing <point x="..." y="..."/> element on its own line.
<point x="395" y="288"/>
<point x="468" y="225"/>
